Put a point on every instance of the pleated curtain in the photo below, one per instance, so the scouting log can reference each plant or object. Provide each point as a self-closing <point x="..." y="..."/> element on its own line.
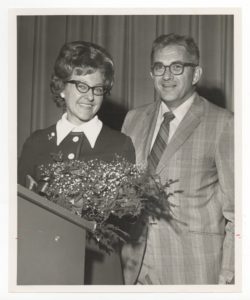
<point x="128" y="38"/>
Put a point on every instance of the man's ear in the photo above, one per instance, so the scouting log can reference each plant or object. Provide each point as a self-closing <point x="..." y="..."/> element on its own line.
<point x="197" y="75"/>
<point x="151" y="74"/>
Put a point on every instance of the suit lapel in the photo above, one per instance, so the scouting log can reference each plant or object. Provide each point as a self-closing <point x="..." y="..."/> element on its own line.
<point x="146" y="134"/>
<point x="185" y="129"/>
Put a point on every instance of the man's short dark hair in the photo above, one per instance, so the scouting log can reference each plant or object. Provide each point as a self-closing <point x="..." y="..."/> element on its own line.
<point x="175" y="39"/>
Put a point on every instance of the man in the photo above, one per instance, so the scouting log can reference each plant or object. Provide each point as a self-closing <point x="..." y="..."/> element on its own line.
<point x="195" y="246"/>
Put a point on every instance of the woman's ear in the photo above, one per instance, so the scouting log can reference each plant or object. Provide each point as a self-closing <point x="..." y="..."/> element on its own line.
<point x="197" y="75"/>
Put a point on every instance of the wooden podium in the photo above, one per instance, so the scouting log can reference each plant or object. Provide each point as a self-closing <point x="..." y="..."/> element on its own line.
<point x="51" y="242"/>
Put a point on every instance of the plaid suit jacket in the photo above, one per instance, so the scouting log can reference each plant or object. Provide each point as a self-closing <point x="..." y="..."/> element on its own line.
<point x="197" y="245"/>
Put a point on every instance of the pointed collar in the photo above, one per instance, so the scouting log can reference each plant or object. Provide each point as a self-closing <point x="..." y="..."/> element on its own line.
<point x="91" y="129"/>
<point x="179" y="111"/>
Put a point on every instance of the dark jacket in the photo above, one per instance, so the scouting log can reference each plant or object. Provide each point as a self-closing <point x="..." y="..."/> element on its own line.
<point x="41" y="146"/>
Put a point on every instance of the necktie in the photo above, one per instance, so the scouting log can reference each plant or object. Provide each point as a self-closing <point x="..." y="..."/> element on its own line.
<point x="160" y="141"/>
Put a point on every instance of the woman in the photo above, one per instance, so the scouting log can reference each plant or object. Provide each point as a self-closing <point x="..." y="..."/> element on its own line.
<point x="83" y="74"/>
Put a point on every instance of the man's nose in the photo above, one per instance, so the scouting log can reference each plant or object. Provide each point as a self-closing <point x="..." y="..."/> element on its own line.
<point x="167" y="74"/>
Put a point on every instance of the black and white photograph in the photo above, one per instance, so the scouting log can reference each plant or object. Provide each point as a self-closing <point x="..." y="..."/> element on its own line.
<point x="127" y="146"/>
<point x="97" y="95"/>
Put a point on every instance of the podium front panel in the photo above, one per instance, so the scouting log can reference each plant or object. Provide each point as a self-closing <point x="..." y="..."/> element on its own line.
<point x="50" y="249"/>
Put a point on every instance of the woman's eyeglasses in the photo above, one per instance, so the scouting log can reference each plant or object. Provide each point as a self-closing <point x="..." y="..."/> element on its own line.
<point x="83" y="87"/>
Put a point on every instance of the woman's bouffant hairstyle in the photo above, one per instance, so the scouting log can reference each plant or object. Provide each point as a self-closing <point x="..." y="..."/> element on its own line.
<point x="175" y="39"/>
<point x="82" y="58"/>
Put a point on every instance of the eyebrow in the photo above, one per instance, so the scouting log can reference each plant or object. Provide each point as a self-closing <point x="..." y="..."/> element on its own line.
<point x="98" y="84"/>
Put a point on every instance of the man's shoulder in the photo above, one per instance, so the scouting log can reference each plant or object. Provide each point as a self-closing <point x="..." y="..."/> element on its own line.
<point x="135" y="118"/>
<point x="143" y="107"/>
<point x="141" y="110"/>
<point x="215" y="111"/>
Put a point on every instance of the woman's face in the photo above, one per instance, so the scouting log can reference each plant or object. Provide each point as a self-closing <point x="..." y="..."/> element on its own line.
<point x="82" y="107"/>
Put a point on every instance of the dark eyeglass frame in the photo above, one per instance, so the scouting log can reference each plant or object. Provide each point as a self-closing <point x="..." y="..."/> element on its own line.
<point x="93" y="88"/>
<point x="171" y="67"/>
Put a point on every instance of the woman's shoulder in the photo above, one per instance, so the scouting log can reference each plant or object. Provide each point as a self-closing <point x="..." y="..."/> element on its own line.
<point x="114" y="134"/>
<point x="41" y="136"/>
<point x="43" y="133"/>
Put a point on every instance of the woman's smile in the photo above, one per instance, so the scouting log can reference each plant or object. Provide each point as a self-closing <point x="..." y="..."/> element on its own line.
<point x="82" y="107"/>
<point x="85" y="105"/>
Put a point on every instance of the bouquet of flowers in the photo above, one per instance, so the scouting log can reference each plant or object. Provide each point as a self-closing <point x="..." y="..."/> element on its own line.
<point x="113" y="194"/>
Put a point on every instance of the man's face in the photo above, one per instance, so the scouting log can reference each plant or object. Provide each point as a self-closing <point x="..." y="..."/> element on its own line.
<point x="175" y="89"/>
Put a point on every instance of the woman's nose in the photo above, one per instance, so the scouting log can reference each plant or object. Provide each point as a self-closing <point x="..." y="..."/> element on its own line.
<point x="90" y="95"/>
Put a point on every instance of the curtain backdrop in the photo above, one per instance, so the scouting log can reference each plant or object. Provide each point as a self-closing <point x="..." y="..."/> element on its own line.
<point x="128" y="39"/>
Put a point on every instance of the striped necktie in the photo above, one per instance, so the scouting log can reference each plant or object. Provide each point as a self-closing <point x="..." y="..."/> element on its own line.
<point x="160" y="141"/>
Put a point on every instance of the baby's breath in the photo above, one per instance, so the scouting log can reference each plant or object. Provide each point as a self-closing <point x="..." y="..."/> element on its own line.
<point x="109" y="193"/>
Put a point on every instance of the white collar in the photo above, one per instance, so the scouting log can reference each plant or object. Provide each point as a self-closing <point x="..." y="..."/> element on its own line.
<point x="91" y="129"/>
<point x="179" y="111"/>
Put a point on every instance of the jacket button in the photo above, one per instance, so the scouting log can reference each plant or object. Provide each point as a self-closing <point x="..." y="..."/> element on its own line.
<point x="75" y="139"/>
<point x="71" y="156"/>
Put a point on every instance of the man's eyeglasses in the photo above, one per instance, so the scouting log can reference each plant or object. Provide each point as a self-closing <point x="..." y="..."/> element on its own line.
<point x="176" y="68"/>
<point x="83" y="87"/>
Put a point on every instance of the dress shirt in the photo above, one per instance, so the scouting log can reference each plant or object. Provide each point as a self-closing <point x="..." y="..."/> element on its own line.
<point x="179" y="113"/>
<point x="91" y="129"/>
